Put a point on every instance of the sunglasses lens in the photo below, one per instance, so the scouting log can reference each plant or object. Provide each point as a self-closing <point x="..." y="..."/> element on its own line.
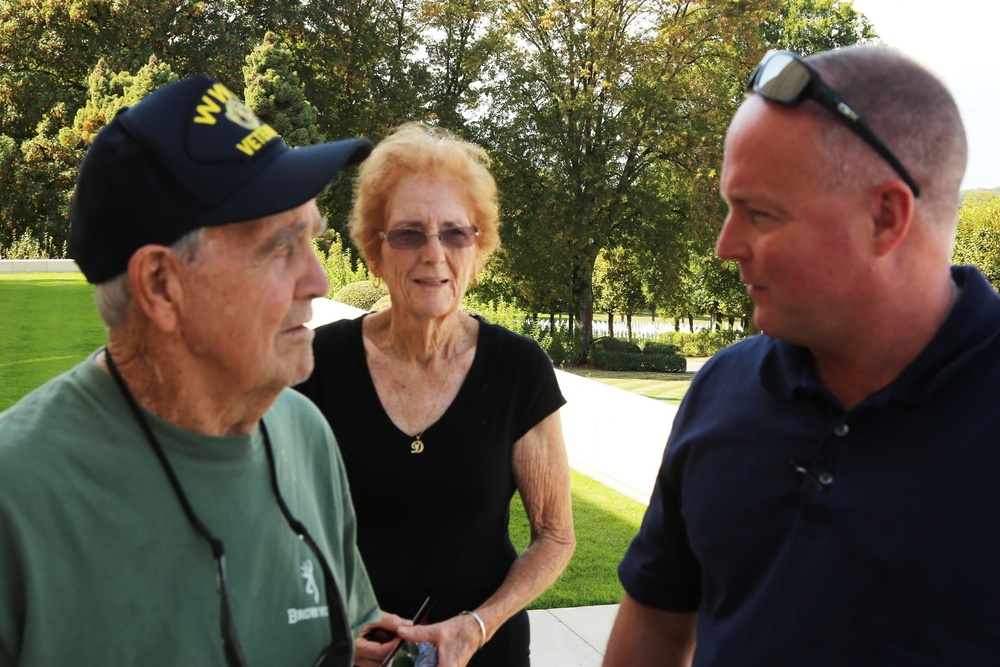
<point x="406" y="239"/>
<point x="782" y="79"/>
<point x="457" y="237"/>
<point x="411" y="239"/>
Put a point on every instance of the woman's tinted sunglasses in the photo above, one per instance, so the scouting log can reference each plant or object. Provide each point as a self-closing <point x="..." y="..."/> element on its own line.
<point x="411" y="238"/>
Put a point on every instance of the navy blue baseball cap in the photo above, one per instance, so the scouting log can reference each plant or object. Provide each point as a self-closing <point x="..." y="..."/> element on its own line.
<point x="188" y="155"/>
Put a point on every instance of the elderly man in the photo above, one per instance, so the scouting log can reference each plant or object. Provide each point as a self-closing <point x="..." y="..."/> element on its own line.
<point x="168" y="501"/>
<point x="828" y="493"/>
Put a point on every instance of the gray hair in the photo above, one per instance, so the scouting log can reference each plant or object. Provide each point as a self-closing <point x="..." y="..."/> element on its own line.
<point x="913" y="113"/>
<point x="114" y="297"/>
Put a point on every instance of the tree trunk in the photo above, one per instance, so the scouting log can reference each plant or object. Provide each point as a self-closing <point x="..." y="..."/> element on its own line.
<point x="584" y="298"/>
<point x="611" y="324"/>
<point x="628" y="325"/>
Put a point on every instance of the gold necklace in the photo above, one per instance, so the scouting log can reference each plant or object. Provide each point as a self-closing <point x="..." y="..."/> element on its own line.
<point x="417" y="446"/>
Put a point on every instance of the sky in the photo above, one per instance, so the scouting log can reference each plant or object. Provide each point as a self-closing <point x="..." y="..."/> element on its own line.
<point x="958" y="41"/>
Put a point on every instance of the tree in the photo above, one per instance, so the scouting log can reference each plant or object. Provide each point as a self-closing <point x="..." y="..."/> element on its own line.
<point x="274" y="92"/>
<point x="461" y="38"/>
<point x="45" y="168"/>
<point x="810" y="26"/>
<point x="618" y="285"/>
<point x="602" y="102"/>
<point x="977" y="240"/>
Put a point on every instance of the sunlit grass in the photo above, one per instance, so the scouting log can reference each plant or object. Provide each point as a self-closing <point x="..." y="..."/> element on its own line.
<point x="605" y="522"/>
<point x="48" y="323"/>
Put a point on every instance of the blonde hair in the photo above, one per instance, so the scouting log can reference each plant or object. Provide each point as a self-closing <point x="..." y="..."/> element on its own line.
<point x="417" y="148"/>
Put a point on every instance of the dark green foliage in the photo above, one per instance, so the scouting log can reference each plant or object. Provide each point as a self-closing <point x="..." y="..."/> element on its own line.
<point x="701" y="343"/>
<point x="615" y="354"/>
<point x="609" y="344"/>
<point x="363" y="294"/>
<point x="628" y="361"/>
<point x="653" y="347"/>
<point x="382" y="304"/>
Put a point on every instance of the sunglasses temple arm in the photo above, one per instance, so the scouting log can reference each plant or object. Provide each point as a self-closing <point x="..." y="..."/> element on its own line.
<point x="853" y="119"/>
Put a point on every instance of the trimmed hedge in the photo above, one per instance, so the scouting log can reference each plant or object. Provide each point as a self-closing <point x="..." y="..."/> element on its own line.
<point x="629" y="361"/>
<point x="609" y="344"/>
<point x="652" y="347"/>
<point x="702" y="343"/>
<point x="382" y="304"/>
<point x="362" y="294"/>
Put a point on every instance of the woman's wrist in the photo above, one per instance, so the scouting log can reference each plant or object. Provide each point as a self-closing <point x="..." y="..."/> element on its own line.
<point x="479" y="621"/>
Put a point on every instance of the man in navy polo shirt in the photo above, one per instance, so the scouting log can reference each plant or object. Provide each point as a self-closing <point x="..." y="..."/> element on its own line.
<point x="828" y="495"/>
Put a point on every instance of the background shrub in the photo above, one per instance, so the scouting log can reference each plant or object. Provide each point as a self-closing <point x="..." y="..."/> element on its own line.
<point x="382" y="304"/>
<point x="653" y="347"/>
<point x="609" y="344"/>
<point x="701" y="343"/>
<point x="630" y="361"/>
<point x="362" y="294"/>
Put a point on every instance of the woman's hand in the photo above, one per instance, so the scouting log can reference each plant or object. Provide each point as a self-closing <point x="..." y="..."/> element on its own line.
<point x="457" y="639"/>
<point x="377" y="639"/>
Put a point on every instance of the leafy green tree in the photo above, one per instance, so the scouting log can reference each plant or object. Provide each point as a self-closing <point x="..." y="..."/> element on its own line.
<point x="977" y="240"/>
<point x="461" y="37"/>
<point x="340" y="267"/>
<point x="810" y="26"/>
<point x="45" y="170"/>
<point x="618" y="286"/>
<point x="274" y="92"/>
<point x="595" y="105"/>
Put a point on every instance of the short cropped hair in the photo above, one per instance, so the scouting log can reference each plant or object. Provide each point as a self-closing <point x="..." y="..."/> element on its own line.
<point x="420" y="149"/>
<point x="911" y="110"/>
<point x="114" y="297"/>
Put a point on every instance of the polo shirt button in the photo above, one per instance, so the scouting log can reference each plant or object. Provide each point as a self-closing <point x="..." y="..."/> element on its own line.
<point x="826" y="479"/>
<point x="841" y="430"/>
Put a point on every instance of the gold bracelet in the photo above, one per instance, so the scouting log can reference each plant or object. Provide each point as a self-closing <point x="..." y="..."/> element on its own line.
<point x="482" y="626"/>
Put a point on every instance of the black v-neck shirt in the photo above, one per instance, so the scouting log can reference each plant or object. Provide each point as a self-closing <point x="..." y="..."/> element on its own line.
<point x="434" y="523"/>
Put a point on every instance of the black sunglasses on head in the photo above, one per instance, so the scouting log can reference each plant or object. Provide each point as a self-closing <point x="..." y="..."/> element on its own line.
<point x="784" y="78"/>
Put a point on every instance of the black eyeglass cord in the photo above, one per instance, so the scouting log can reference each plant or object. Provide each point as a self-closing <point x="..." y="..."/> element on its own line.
<point x="339" y="646"/>
<point x="234" y="653"/>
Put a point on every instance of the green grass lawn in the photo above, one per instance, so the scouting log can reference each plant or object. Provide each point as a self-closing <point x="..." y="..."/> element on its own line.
<point x="48" y="323"/>
<point x="668" y="387"/>
<point x="605" y="522"/>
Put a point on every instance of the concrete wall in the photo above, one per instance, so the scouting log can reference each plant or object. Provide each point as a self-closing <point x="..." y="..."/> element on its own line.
<point x="615" y="436"/>
<point x="38" y="266"/>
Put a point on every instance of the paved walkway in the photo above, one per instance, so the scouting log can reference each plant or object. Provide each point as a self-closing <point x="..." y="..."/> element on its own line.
<point x="570" y="637"/>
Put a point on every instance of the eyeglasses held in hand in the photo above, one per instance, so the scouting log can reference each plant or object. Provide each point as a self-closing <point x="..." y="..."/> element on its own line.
<point x="411" y="238"/>
<point x="411" y="650"/>
<point x="784" y="78"/>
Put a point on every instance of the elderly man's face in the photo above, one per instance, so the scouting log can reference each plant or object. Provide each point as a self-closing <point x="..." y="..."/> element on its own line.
<point x="247" y="297"/>
<point x="802" y="245"/>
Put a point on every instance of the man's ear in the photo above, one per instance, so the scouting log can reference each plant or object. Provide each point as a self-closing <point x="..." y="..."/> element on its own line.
<point x="892" y="214"/>
<point x="156" y="288"/>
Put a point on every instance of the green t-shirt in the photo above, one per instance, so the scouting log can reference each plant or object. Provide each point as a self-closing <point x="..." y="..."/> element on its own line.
<point x="100" y="566"/>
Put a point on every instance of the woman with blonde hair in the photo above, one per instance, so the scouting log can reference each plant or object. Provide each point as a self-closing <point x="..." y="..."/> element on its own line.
<point x="441" y="416"/>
